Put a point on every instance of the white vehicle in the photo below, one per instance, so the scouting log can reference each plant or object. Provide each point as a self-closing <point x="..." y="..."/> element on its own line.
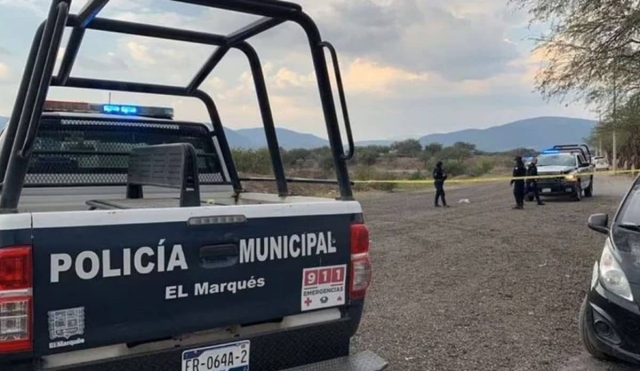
<point x="601" y="164"/>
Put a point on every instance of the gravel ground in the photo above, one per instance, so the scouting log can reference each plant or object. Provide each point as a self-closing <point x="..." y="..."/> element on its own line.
<point x="480" y="286"/>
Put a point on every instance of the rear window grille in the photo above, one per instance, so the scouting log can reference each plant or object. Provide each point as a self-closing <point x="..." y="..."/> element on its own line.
<point x="86" y="152"/>
<point x="147" y="124"/>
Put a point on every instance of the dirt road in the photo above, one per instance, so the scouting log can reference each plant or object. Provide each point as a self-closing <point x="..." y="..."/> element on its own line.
<point x="480" y="286"/>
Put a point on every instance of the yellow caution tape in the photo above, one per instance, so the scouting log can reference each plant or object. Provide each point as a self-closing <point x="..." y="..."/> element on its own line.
<point x="495" y="179"/>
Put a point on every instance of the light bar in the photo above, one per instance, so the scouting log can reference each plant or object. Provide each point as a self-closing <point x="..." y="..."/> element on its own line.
<point x="109" y="109"/>
<point x="116" y="108"/>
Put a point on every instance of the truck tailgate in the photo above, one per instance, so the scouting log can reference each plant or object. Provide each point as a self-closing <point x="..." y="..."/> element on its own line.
<point x="107" y="277"/>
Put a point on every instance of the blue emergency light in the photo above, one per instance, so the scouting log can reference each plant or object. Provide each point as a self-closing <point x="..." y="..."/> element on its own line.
<point x="549" y="151"/>
<point x="116" y="108"/>
<point x="109" y="109"/>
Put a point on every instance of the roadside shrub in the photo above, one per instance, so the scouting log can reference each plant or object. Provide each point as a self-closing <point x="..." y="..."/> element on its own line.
<point x="454" y="168"/>
<point x="367" y="157"/>
<point x="326" y="162"/>
<point x="481" y="167"/>
<point x="252" y="161"/>
<point x="417" y="175"/>
<point x="371" y="173"/>
<point x="365" y="173"/>
<point x="295" y="156"/>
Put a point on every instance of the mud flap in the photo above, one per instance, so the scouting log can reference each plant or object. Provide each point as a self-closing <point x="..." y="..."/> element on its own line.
<point x="363" y="361"/>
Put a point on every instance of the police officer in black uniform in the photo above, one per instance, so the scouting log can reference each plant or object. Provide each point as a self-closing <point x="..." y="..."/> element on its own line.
<point x="439" y="176"/>
<point x="532" y="184"/>
<point x="519" y="170"/>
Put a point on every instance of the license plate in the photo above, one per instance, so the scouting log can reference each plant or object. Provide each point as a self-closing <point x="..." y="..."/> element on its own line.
<point x="225" y="357"/>
<point x="546" y="190"/>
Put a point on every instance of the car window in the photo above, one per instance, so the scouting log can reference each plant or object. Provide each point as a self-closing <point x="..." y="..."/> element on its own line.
<point x="562" y="159"/>
<point x="630" y="209"/>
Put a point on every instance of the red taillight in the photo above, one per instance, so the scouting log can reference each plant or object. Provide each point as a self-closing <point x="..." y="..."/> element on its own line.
<point x="15" y="268"/>
<point x="359" y="239"/>
<point x="16" y="300"/>
<point x="360" y="263"/>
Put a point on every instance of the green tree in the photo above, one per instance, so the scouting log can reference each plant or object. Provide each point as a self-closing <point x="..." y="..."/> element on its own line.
<point x="294" y="156"/>
<point x="592" y="54"/>
<point x="252" y="161"/>
<point x="458" y="152"/>
<point x="432" y="149"/>
<point x="590" y="46"/>
<point x="408" y="148"/>
<point x="366" y="156"/>
<point x="326" y="162"/>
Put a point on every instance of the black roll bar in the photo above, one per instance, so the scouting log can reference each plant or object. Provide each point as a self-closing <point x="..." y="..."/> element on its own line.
<point x="343" y="99"/>
<point x="13" y="180"/>
<point x="267" y="116"/>
<point x="12" y="126"/>
<point x="90" y="11"/>
<point x="253" y="29"/>
<point x="138" y="29"/>
<point x="266" y="8"/>
<point x="204" y="72"/>
<point x="586" y="152"/>
<point x="38" y="76"/>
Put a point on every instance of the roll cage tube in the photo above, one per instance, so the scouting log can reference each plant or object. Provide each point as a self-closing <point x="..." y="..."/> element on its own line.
<point x="38" y="77"/>
<point x="583" y="148"/>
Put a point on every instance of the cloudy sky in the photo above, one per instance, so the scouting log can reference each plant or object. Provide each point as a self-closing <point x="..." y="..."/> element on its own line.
<point x="410" y="67"/>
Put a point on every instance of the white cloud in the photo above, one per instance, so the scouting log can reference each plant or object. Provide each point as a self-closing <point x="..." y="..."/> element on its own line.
<point x="39" y="7"/>
<point x="4" y="72"/>
<point x="140" y="53"/>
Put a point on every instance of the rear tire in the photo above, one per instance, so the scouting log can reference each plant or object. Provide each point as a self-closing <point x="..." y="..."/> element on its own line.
<point x="583" y="321"/>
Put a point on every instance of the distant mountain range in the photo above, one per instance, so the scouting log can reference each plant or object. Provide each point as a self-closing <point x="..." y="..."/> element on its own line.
<point x="536" y="133"/>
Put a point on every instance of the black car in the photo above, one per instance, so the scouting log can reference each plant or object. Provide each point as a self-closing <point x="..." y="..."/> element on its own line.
<point x="610" y="315"/>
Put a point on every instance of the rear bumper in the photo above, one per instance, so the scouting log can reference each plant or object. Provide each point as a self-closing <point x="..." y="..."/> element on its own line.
<point x="315" y="347"/>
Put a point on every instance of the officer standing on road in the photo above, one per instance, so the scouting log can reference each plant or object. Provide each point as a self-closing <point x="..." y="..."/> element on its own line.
<point x="532" y="184"/>
<point x="519" y="170"/>
<point x="439" y="176"/>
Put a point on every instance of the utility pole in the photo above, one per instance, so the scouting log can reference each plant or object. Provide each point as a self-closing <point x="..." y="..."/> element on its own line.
<point x="600" y="148"/>
<point x="599" y="137"/>
<point x="615" y="119"/>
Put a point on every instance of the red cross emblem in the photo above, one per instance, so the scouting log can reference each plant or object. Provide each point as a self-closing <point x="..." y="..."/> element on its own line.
<point x="307" y="301"/>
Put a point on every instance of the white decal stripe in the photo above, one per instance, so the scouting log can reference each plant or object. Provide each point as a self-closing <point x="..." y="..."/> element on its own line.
<point x="15" y="221"/>
<point x="168" y="215"/>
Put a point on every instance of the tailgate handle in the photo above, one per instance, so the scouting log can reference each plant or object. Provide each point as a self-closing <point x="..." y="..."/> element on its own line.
<point x="218" y="256"/>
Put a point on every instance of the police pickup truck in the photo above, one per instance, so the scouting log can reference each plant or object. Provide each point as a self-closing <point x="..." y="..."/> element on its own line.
<point x="572" y="163"/>
<point x="127" y="241"/>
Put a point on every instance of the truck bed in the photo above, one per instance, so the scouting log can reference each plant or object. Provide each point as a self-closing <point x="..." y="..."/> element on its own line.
<point x="80" y="198"/>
